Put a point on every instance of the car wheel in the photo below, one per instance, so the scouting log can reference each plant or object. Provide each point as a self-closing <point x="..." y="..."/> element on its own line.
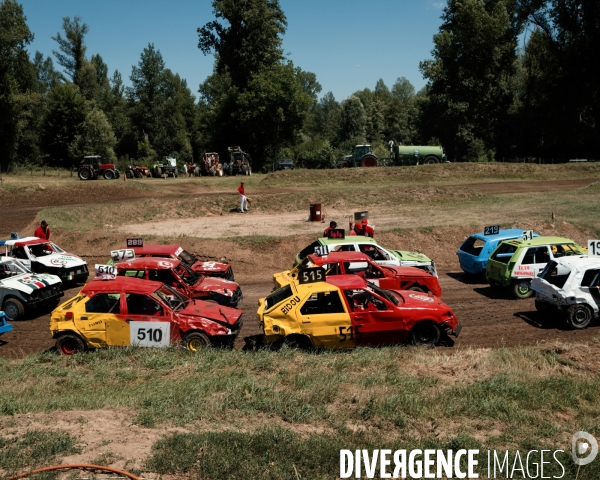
<point x="84" y="174"/>
<point x="139" y="175"/>
<point x="430" y="160"/>
<point x="521" y="289"/>
<point x="579" y="316"/>
<point x="196" y="342"/>
<point x="128" y="174"/>
<point x="13" y="309"/>
<point x="300" y="342"/>
<point x="369" y="162"/>
<point x="425" y="333"/>
<point x="109" y="175"/>
<point x="417" y="289"/>
<point x="69" y="344"/>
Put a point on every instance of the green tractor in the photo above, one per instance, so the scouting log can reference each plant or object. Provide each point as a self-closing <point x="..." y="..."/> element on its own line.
<point x="362" y="156"/>
<point x="167" y="167"/>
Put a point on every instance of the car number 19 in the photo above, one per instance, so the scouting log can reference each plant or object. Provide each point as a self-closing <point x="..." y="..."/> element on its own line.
<point x="150" y="334"/>
<point x="594" y="248"/>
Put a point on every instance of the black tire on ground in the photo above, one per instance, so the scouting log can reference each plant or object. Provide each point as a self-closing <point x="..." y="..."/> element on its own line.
<point x="109" y="174"/>
<point x="521" y="289"/>
<point x="344" y="165"/>
<point x="128" y="174"/>
<point x="369" y="161"/>
<point x="84" y="174"/>
<point x="117" y="173"/>
<point x="430" y="160"/>
<point x="14" y="309"/>
<point x="426" y="334"/>
<point x="69" y="344"/>
<point x="579" y="316"/>
<point x="139" y="175"/>
<point x="196" y="342"/>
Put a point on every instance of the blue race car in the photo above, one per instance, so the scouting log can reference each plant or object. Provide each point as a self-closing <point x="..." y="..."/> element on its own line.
<point x="474" y="253"/>
<point x="4" y="327"/>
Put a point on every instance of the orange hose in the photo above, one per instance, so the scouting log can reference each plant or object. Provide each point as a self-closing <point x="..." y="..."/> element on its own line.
<point x="82" y="466"/>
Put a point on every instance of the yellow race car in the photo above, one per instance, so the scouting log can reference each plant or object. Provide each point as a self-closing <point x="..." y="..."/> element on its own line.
<point x="344" y="311"/>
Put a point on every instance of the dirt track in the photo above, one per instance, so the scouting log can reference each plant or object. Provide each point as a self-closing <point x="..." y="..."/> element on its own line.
<point x="489" y="319"/>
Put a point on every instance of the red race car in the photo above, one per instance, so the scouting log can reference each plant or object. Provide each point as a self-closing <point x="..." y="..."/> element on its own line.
<point x="180" y="276"/>
<point x="129" y="311"/>
<point x="210" y="269"/>
<point x="357" y="263"/>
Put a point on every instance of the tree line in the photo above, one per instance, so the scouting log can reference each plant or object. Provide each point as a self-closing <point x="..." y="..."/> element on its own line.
<point x="507" y="78"/>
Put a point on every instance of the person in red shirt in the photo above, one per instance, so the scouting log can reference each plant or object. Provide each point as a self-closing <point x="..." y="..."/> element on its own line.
<point x="364" y="229"/>
<point x="332" y="226"/>
<point x="43" y="231"/>
<point x="243" y="199"/>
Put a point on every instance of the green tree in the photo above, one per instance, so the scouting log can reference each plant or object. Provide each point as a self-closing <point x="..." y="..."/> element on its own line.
<point x="71" y="54"/>
<point x="470" y="75"/>
<point x="401" y="114"/>
<point x="353" y="120"/>
<point x="95" y="137"/>
<point x="47" y="76"/>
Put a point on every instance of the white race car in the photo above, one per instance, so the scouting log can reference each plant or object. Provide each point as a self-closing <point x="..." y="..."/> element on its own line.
<point x="569" y="286"/>
<point x="43" y="256"/>
<point x="21" y="290"/>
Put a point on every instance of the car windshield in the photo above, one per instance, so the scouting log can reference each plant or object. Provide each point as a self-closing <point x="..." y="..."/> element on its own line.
<point x="41" y="249"/>
<point x="172" y="297"/>
<point x="306" y="263"/>
<point x="187" y="257"/>
<point x="56" y="248"/>
<point x="188" y="275"/>
<point x="387" y="294"/>
<point x="278" y="296"/>
<point x="13" y="267"/>
<point x="550" y="274"/>
<point x="308" y="250"/>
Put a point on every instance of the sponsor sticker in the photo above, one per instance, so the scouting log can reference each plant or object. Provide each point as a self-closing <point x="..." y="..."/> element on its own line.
<point x="422" y="298"/>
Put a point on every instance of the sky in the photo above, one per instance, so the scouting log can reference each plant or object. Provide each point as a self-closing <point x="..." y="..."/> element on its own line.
<point x="348" y="44"/>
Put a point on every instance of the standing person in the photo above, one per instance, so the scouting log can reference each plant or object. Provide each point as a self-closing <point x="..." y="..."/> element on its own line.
<point x="332" y="226"/>
<point x="185" y="169"/>
<point x="43" y="231"/>
<point x="364" y="229"/>
<point x="243" y="199"/>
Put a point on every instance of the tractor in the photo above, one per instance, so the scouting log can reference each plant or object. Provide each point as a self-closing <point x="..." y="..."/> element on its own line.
<point x="240" y="162"/>
<point x="167" y="167"/>
<point x="135" y="171"/>
<point x="210" y="164"/>
<point x="362" y="156"/>
<point x="90" y="168"/>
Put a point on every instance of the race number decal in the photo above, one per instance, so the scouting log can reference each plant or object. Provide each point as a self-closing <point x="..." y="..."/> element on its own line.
<point x="491" y="230"/>
<point x="178" y="251"/>
<point x="120" y="255"/>
<point x="150" y="334"/>
<point x="336" y="233"/>
<point x="135" y="242"/>
<point x="61" y="260"/>
<point x="105" y="271"/>
<point x="321" y="250"/>
<point x="210" y="266"/>
<point x="527" y="235"/>
<point x="421" y="297"/>
<point x="593" y="248"/>
<point x="164" y="264"/>
<point x="311" y="275"/>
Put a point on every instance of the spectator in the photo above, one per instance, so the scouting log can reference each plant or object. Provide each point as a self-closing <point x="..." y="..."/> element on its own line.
<point x="243" y="199"/>
<point x="364" y="229"/>
<point x="43" y="231"/>
<point x="332" y="226"/>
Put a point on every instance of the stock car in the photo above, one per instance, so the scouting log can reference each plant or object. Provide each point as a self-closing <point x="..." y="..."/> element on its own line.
<point x="569" y="287"/>
<point x="180" y="276"/>
<point x="22" y="291"/>
<point x="475" y="251"/>
<point x="344" y="312"/>
<point x="44" y="256"/>
<point x="515" y="263"/>
<point x="176" y="252"/>
<point x="131" y="311"/>
<point x="369" y="247"/>
<point x="343" y="263"/>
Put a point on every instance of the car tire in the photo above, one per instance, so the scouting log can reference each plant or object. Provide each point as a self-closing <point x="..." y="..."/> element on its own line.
<point x="522" y="289"/>
<point x="109" y="175"/>
<point x="196" y="341"/>
<point x="425" y="334"/>
<point x="579" y="316"/>
<point x="84" y="174"/>
<point x="13" y="309"/>
<point x="430" y="160"/>
<point x="369" y="162"/>
<point x="301" y="342"/>
<point x="69" y="345"/>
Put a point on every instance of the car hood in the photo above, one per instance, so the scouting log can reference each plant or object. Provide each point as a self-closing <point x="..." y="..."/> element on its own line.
<point x="27" y="283"/>
<point x="420" y="300"/>
<point x="212" y="311"/>
<point x="407" y="256"/>
<point x="210" y="267"/>
<point x="219" y="285"/>
<point x="408" y="272"/>
<point x="59" y="260"/>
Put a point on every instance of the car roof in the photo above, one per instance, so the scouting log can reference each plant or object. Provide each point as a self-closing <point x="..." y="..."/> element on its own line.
<point x="348" y="239"/>
<point x="20" y="242"/>
<point x="149" y="262"/>
<point x="580" y="262"/>
<point x="335" y="257"/>
<point x="129" y="284"/>
<point x="504" y="234"/>
<point x="538" y="241"/>
<point x="160" y="249"/>
<point x="347" y="281"/>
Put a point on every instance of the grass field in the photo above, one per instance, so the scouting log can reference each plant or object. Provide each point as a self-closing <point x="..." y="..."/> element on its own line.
<point x="286" y="414"/>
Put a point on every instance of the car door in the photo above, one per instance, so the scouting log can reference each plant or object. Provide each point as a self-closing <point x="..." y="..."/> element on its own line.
<point x="21" y="254"/>
<point x="94" y="316"/>
<point x="375" y="321"/>
<point x="149" y="321"/>
<point x="590" y="284"/>
<point x="533" y="262"/>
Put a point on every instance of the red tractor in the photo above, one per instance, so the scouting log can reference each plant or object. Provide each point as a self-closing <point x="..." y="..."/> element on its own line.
<point x="90" y="168"/>
<point x="211" y="165"/>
